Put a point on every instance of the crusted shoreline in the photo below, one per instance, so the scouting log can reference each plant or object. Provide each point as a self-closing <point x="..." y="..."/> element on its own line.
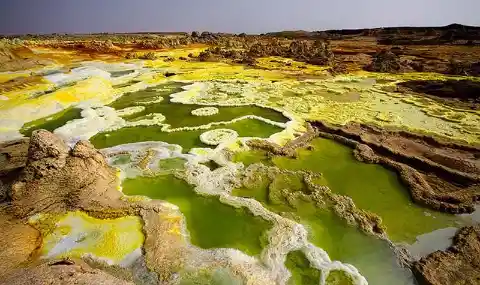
<point x="441" y="175"/>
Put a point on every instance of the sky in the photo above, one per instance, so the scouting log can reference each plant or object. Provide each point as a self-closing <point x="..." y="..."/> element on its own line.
<point x="235" y="16"/>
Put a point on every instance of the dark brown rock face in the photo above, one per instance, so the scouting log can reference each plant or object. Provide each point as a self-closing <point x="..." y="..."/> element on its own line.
<point x="459" y="264"/>
<point x="385" y="61"/>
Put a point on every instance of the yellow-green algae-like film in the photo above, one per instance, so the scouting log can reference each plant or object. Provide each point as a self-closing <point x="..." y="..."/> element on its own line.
<point x="373" y="257"/>
<point x="211" y="224"/>
<point x="76" y="234"/>
<point x="371" y="187"/>
<point x="347" y="98"/>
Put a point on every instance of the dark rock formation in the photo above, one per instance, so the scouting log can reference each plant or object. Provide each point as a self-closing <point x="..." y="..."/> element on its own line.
<point x="385" y="61"/>
<point x="465" y="90"/>
<point x="462" y="68"/>
<point x="459" y="264"/>
<point x="313" y="52"/>
<point x="195" y="34"/>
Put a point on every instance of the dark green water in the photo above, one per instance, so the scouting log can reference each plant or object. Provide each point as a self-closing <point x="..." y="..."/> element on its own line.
<point x="186" y="139"/>
<point x="52" y="122"/>
<point x="179" y="115"/>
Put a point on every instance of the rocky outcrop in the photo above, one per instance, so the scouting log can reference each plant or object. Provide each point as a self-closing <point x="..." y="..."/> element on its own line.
<point x="49" y="177"/>
<point x="314" y="52"/>
<point x="386" y="61"/>
<point x="459" y="264"/>
<point x="10" y="61"/>
<point x="57" y="179"/>
<point x="13" y="156"/>
<point x="6" y="55"/>
<point x="165" y="252"/>
<point x="464" y="90"/>
<point x="289" y="149"/>
<point x="463" y="68"/>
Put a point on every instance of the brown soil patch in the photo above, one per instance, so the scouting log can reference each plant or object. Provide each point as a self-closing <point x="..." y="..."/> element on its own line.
<point x="19" y="241"/>
<point x="62" y="272"/>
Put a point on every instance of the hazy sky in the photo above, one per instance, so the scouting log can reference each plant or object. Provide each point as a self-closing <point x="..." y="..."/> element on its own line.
<point x="251" y="16"/>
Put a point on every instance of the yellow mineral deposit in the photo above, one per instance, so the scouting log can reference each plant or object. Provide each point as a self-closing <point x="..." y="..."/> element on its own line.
<point x="75" y="234"/>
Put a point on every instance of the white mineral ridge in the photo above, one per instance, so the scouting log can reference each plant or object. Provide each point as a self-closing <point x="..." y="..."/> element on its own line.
<point x="77" y="74"/>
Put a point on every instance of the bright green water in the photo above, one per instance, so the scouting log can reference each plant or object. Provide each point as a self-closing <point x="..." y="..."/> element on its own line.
<point x="179" y="115"/>
<point x="187" y="139"/>
<point x="211" y="224"/>
<point x="220" y="276"/>
<point x="52" y="122"/>
<point x="371" y="187"/>
<point x="373" y="257"/>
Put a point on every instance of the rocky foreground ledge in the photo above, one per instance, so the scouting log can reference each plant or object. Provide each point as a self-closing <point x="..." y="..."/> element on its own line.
<point x="43" y="175"/>
<point x="442" y="175"/>
<point x="52" y="178"/>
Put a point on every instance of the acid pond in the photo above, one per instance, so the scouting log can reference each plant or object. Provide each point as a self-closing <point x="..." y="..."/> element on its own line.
<point x="210" y="223"/>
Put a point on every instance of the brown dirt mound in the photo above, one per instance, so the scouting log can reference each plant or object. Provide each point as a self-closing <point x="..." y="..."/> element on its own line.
<point x="459" y="264"/>
<point x="10" y="61"/>
<point x="441" y="175"/>
<point x="387" y="61"/>
<point x="18" y="242"/>
<point x="62" y="272"/>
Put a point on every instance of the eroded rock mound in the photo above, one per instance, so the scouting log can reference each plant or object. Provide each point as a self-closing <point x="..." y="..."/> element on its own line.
<point x="386" y="61"/>
<point x="459" y="264"/>
<point x="57" y="179"/>
<point x="314" y="52"/>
